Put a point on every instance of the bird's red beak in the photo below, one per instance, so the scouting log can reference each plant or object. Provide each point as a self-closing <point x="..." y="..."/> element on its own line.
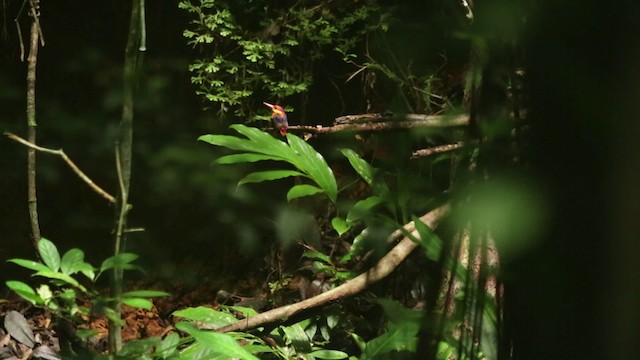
<point x="269" y="105"/>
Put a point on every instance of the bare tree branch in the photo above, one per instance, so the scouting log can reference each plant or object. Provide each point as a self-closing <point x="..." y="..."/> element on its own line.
<point x="382" y="122"/>
<point x="436" y="150"/>
<point x="69" y="162"/>
<point x="383" y="268"/>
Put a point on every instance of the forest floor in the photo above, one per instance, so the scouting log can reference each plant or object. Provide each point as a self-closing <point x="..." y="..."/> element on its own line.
<point x="139" y="323"/>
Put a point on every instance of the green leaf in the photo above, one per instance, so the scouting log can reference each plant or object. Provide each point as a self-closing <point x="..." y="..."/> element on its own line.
<point x="219" y="344"/>
<point x="260" y="176"/>
<point x="360" y="165"/>
<point x="312" y="163"/>
<point x="138" y="303"/>
<point x="262" y="146"/>
<point x="145" y="293"/>
<point x="86" y="334"/>
<point x="429" y="241"/>
<point x="363" y="208"/>
<point x="317" y="255"/>
<point x="120" y="261"/>
<point x="30" y="264"/>
<point x="212" y="318"/>
<point x="139" y="349"/>
<point x="299" y="191"/>
<point x="168" y="347"/>
<point x="243" y="158"/>
<point x="298" y="337"/>
<point x="401" y="338"/>
<point x="329" y="354"/>
<point x="25" y="291"/>
<point x="245" y="311"/>
<point x="49" y="254"/>
<point x="72" y="261"/>
<point x="63" y="277"/>
<point x="367" y="173"/>
<point x="340" y="225"/>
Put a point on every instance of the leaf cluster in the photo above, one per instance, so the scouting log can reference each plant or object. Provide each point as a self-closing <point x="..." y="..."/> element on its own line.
<point x="251" y="47"/>
<point x="64" y="289"/>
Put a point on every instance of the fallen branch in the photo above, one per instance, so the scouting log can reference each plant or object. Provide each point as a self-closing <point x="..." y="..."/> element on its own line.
<point x="69" y="162"/>
<point x="383" y="268"/>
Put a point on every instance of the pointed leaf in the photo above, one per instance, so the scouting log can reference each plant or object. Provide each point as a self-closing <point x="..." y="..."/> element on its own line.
<point x="168" y="346"/>
<point x="429" y="241"/>
<point x="245" y="157"/>
<point x="138" y="303"/>
<point x="299" y="339"/>
<point x="49" y="254"/>
<point x="340" y="225"/>
<point x="368" y="174"/>
<point x="363" y="208"/>
<point x="18" y="327"/>
<point x="63" y="277"/>
<point x="329" y="354"/>
<point x="24" y="291"/>
<point x="72" y="261"/>
<point x="312" y="163"/>
<point x="218" y="344"/>
<point x="260" y="176"/>
<point x="119" y="261"/>
<point x="360" y="165"/>
<point x="30" y="264"/>
<point x="299" y="191"/>
<point x="145" y="293"/>
<point x="398" y="339"/>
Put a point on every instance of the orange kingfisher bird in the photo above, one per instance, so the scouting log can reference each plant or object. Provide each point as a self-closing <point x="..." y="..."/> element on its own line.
<point x="279" y="118"/>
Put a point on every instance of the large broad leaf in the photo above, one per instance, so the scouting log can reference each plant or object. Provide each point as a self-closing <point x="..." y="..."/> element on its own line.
<point x="312" y="163"/>
<point x="49" y="254"/>
<point x="259" y="146"/>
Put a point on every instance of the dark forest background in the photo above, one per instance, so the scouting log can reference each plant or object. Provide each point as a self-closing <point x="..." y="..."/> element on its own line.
<point x="573" y="295"/>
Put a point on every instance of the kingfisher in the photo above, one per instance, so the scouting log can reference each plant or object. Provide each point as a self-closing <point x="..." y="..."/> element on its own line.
<point x="279" y="118"/>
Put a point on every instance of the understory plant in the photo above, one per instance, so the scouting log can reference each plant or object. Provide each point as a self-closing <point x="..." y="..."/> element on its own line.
<point x="68" y="291"/>
<point x="296" y="158"/>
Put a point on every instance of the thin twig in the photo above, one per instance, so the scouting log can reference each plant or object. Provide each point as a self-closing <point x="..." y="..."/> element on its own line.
<point x="69" y="162"/>
<point x="436" y="150"/>
<point x="383" y="268"/>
